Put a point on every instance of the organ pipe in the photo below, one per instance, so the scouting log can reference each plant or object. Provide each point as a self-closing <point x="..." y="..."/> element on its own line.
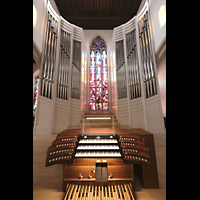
<point x="47" y="78"/>
<point x="121" y="71"/>
<point x="63" y="66"/>
<point x="132" y="62"/>
<point x="76" y="70"/>
<point x="147" y="56"/>
<point x="134" y="84"/>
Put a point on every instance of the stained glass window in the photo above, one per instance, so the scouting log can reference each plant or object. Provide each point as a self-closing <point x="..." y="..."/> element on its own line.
<point x="98" y="75"/>
<point x="36" y="93"/>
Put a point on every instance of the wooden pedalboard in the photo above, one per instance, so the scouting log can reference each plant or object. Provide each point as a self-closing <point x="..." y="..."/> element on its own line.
<point x="99" y="191"/>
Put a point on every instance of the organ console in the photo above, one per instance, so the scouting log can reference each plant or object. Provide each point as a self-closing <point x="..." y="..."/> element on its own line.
<point x="101" y="166"/>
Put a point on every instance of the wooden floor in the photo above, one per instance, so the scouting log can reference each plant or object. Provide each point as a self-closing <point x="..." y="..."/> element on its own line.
<point x="47" y="181"/>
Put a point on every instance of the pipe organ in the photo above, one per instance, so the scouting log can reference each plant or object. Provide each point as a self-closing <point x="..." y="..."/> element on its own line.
<point x="101" y="166"/>
<point x="138" y="96"/>
<point x="121" y="70"/>
<point x="147" y="56"/>
<point x="76" y="70"/>
<point x="64" y="85"/>
<point x="133" y="67"/>
<point x="138" y="46"/>
<point x="63" y="65"/>
<point x="48" y="65"/>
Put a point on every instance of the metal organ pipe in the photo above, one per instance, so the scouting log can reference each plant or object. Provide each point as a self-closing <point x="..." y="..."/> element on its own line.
<point x="47" y="78"/>
<point x="64" y="59"/>
<point x="59" y="65"/>
<point x="76" y="70"/>
<point x="64" y="66"/>
<point x="150" y="53"/>
<point x="143" y="58"/>
<point x="121" y="71"/>
<point x="137" y="66"/>
<point x="147" y="56"/>
<point x="46" y="50"/>
<point x="135" y="90"/>
<point x="51" y="82"/>
<point x="134" y="81"/>
<point x="48" y="65"/>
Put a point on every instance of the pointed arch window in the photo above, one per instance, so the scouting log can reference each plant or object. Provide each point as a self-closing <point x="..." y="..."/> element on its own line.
<point x="98" y="75"/>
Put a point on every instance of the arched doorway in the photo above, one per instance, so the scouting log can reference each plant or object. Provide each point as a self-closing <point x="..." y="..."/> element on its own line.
<point x="98" y="75"/>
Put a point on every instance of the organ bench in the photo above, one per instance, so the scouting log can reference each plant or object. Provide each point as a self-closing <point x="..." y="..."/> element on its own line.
<point x="101" y="166"/>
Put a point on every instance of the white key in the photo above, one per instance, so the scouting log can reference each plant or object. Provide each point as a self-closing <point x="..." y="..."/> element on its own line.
<point x="82" y="141"/>
<point x="98" y="154"/>
<point x="100" y="147"/>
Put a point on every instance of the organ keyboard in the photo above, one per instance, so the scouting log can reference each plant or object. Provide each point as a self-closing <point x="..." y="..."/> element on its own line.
<point x="98" y="147"/>
<point x="66" y="149"/>
<point x="100" y="165"/>
<point x="97" y="154"/>
<point x="98" y="141"/>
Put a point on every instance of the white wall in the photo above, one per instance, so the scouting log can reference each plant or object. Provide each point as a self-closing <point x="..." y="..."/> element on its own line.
<point x="162" y="82"/>
<point x="38" y="30"/>
<point x="113" y="90"/>
<point x="158" y="32"/>
<point x="84" y="75"/>
<point x="91" y="34"/>
<point x="159" y="35"/>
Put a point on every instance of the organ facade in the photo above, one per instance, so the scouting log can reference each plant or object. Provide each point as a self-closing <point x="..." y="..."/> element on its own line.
<point x="107" y="75"/>
<point x="114" y="72"/>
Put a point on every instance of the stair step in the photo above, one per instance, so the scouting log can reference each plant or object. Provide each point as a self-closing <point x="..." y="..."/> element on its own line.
<point x="99" y="113"/>
<point x="99" y="123"/>
<point x="99" y="120"/>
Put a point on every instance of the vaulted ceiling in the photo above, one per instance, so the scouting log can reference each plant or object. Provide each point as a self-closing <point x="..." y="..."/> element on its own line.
<point x="98" y="14"/>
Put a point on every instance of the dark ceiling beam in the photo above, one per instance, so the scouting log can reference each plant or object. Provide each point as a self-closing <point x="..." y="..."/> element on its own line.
<point x="107" y="7"/>
<point x="98" y="14"/>
<point x="102" y="17"/>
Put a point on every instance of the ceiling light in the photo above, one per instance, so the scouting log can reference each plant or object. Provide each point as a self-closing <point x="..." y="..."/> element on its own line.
<point x="34" y="16"/>
<point x="162" y="16"/>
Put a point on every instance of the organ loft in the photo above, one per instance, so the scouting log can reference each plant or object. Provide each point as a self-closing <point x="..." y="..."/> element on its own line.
<point x="99" y="89"/>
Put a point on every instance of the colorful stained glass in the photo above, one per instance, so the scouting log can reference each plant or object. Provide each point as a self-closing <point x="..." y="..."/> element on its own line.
<point x="36" y="93"/>
<point x="98" y="75"/>
<point x="98" y="43"/>
<point x="92" y="59"/>
<point x="92" y="106"/>
<point x="104" y="59"/>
